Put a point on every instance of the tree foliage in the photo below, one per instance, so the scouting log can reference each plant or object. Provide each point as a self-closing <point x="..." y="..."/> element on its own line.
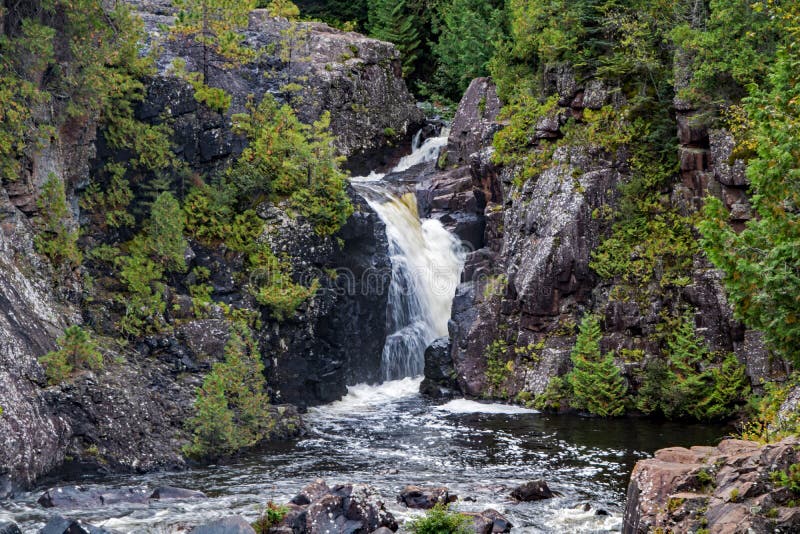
<point x="395" y="21"/>
<point x="232" y="404"/>
<point x="77" y="349"/>
<point x="762" y="263"/>
<point x="596" y="382"/>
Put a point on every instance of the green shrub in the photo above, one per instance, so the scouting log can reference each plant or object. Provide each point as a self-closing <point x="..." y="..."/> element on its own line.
<point x="273" y="285"/>
<point x="164" y="241"/>
<point x="56" y="239"/>
<point x="441" y="520"/>
<point x="765" y="425"/>
<point x="77" y="349"/>
<point x="788" y="479"/>
<point x="555" y="396"/>
<point x="232" y="404"/>
<point x="271" y="516"/>
<point x="498" y="366"/>
<point x="596" y="382"/>
<point x="144" y="300"/>
<point x="694" y="383"/>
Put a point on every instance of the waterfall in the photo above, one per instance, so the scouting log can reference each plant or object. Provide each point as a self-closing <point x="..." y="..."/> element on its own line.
<point x="426" y="267"/>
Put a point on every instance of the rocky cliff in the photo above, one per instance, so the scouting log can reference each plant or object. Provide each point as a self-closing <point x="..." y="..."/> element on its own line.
<point x="529" y="281"/>
<point x="130" y="415"/>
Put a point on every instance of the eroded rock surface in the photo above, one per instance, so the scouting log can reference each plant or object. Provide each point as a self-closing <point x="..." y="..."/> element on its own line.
<point x="728" y="489"/>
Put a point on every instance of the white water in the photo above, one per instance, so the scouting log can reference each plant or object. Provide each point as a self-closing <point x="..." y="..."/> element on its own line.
<point x="426" y="267"/>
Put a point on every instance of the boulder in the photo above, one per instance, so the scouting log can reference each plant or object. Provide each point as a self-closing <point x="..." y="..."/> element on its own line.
<point x="342" y="509"/>
<point x="81" y="497"/>
<point x="439" y="378"/>
<point x="164" y="493"/>
<point x="425" y="497"/>
<point x="226" y="525"/>
<point x="61" y="525"/>
<point x="489" y="521"/>
<point x="474" y="123"/>
<point x="726" y="489"/>
<point x="532" y="491"/>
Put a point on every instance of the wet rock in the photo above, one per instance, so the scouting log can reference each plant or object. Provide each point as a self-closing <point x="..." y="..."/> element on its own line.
<point x="346" y="509"/>
<point x="8" y="527"/>
<point x="382" y="530"/>
<point x="311" y="492"/>
<point x="439" y="371"/>
<point x="80" y="497"/>
<point x="164" y="493"/>
<point x="532" y="491"/>
<point x="61" y="525"/>
<point x="227" y="525"/>
<point x="489" y="521"/>
<point x="425" y="497"/>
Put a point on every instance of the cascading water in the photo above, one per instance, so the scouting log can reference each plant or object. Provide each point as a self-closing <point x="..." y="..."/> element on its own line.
<point x="426" y="265"/>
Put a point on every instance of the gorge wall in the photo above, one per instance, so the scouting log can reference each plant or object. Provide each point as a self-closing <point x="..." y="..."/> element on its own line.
<point x="529" y="281"/>
<point x="130" y="416"/>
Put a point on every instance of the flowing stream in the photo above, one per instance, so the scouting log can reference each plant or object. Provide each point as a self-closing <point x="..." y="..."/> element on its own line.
<point x="389" y="436"/>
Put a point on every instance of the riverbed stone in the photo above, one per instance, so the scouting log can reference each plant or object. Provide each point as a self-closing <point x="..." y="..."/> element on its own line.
<point x="81" y="497"/>
<point x="61" y="525"/>
<point x="425" y="497"/>
<point x="9" y="527"/>
<point x="489" y="521"/>
<point x="226" y="525"/>
<point x="164" y="493"/>
<point x="534" y="490"/>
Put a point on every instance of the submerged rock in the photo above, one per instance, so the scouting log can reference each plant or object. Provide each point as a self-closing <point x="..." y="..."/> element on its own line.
<point x="532" y="491"/>
<point x="425" y="498"/>
<point x="8" y="527"/>
<point x="226" y="525"/>
<point x="164" y="493"/>
<point x="80" y="497"/>
<point x="61" y="525"/>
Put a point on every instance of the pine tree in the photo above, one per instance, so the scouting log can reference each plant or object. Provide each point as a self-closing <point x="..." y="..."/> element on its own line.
<point x="761" y="263"/>
<point x="215" y="26"/>
<point x="164" y="233"/>
<point x="466" y="43"/>
<point x="77" y="349"/>
<point x="596" y="382"/>
<point x="394" y="21"/>
<point x="232" y="406"/>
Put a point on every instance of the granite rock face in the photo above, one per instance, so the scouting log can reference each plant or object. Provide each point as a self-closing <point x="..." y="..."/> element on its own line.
<point x="528" y="281"/>
<point x="727" y="489"/>
<point x="355" y="78"/>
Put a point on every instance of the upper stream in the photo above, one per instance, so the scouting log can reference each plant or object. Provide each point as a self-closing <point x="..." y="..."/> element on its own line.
<point x="389" y="436"/>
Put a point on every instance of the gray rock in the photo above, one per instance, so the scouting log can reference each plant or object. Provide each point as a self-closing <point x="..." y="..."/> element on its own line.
<point x="8" y="527"/>
<point x="474" y="125"/>
<point x="164" y="493"/>
<point x="534" y="490"/>
<point x="425" y="497"/>
<point x="227" y="525"/>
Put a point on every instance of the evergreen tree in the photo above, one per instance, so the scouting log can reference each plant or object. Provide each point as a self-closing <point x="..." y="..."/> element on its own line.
<point x="232" y="406"/>
<point x="467" y="37"/>
<point x="215" y="26"/>
<point x="77" y="349"/>
<point x="596" y="382"/>
<point x="394" y="21"/>
<point x="760" y="264"/>
<point x="164" y="233"/>
<point x="56" y="239"/>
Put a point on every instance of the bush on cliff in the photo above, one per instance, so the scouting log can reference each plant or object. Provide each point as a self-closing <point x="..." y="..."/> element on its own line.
<point x="77" y="350"/>
<point x="694" y="383"/>
<point x="596" y="382"/>
<point x="231" y="408"/>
